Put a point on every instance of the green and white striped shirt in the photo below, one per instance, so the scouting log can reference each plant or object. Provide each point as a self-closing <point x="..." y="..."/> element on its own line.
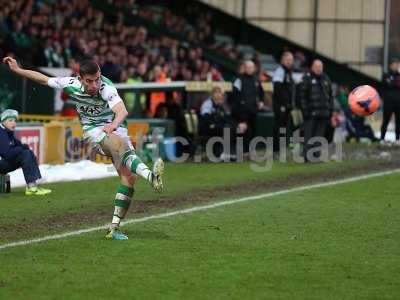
<point x="94" y="111"/>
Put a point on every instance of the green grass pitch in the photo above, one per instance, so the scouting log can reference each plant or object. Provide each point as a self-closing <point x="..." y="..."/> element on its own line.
<point x="338" y="242"/>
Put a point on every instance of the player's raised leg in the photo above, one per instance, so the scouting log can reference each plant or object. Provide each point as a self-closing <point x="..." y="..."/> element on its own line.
<point x="135" y="164"/>
<point x="123" y="152"/>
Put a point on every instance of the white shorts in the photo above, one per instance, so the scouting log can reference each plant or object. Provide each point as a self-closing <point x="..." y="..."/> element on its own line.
<point x="94" y="136"/>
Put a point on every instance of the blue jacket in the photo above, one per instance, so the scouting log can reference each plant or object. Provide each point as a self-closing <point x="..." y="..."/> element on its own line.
<point x="10" y="147"/>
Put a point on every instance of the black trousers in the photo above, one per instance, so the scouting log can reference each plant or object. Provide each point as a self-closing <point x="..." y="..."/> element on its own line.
<point x="25" y="160"/>
<point x="282" y="121"/>
<point x="391" y="106"/>
<point x="313" y="127"/>
<point x="249" y="134"/>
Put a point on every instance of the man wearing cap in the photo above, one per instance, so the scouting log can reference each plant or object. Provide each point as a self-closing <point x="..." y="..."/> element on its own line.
<point x="15" y="155"/>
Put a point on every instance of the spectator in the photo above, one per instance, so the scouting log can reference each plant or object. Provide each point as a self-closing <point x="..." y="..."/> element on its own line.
<point x="357" y="128"/>
<point x="15" y="155"/>
<point x="54" y="55"/>
<point x="342" y="96"/>
<point x="136" y="102"/>
<point x="391" y="99"/>
<point x="20" y="38"/>
<point x="247" y="99"/>
<point x="111" y="69"/>
<point x="68" y="108"/>
<point x="157" y="98"/>
<point x="176" y="113"/>
<point x="283" y="99"/>
<point x="300" y="62"/>
<point x="316" y="98"/>
<point x="214" y="118"/>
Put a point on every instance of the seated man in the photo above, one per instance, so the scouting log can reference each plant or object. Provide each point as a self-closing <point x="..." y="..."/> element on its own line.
<point x="214" y="119"/>
<point x="15" y="155"/>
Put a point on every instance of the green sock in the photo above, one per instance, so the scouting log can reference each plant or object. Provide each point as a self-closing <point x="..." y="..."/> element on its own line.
<point x="135" y="164"/>
<point x="122" y="202"/>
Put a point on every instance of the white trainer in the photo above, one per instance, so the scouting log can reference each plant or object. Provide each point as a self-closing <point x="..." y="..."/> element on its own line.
<point x="158" y="171"/>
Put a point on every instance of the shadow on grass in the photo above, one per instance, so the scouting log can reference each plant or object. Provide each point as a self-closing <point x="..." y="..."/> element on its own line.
<point x="147" y="235"/>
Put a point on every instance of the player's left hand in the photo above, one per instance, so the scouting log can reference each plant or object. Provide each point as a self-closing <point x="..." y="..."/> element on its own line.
<point x="12" y="63"/>
<point x="109" y="128"/>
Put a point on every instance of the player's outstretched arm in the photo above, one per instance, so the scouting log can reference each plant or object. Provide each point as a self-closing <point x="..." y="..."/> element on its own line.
<point x="29" y="74"/>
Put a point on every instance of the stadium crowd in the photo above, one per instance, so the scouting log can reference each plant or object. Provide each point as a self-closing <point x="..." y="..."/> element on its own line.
<point x="43" y="34"/>
<point x="195" y="26"/>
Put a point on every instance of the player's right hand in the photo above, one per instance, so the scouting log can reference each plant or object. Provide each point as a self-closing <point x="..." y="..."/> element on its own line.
<point x="109" y="128"/>
<point x="12" y="63"/>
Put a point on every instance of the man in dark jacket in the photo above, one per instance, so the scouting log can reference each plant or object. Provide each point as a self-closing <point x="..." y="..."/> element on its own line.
<point x="391" y="99"/>
<point x="247" y="98"/>
<point x="15" y="155"/>
<point x="316" y="98"/>
<point x="214" y="118"/>
<point x="283" y="99"/>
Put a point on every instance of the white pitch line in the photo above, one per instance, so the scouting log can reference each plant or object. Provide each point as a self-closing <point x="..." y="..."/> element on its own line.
<point x="200" y="208"/>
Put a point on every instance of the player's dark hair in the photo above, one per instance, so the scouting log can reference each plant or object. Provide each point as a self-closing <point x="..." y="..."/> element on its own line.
<point x="88" y="67"/>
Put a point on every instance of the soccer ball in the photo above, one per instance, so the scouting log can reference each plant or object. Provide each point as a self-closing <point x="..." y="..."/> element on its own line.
<point x="364" y="100"/>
